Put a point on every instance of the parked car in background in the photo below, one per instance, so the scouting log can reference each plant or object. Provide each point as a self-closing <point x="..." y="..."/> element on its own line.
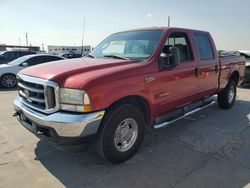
<point x="247" y="72"/>
<point x="71" y="55"/>
<point x="8" y="56"/>
<point x="8" y="71"/>
<point x="246" y="54"/>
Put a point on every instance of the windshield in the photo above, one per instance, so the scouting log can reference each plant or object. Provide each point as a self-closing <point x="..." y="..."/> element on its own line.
<point x="135" y="45"/>
<point x="19" y="60"/>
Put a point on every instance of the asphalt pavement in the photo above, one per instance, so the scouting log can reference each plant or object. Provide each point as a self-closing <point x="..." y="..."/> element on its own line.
<point x="211" y="148"/>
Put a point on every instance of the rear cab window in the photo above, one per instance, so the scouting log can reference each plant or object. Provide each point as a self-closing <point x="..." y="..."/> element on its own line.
<point x="204" y="46"/>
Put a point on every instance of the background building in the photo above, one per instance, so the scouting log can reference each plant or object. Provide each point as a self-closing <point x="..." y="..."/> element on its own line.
<point x="4" y="47"/>
<point x="57" y="50"/>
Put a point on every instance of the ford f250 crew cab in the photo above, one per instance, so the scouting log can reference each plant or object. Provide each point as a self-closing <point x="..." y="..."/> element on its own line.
<point x="131" y="82"/>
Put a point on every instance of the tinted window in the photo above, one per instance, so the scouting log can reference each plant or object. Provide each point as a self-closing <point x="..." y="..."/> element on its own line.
<point x="204" y="46"/>
<point x="27" y="53"/>
<point x="52" y="58"/>
<point x="9" y="56"/>
<point x="19" y="54"/>
<point x="181" y="41"/>
<point x="35" y="60"/>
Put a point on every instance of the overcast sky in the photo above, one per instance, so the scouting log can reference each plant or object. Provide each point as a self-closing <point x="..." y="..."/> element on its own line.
<point x="59" y="22"/>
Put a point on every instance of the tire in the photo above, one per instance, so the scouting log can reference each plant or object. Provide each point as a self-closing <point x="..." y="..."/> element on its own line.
<point x="124" y="117"/>
<point x="8" y="81"/>
<point x="226" y="97"/>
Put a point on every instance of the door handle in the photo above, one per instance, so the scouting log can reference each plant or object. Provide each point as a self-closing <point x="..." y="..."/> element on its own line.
<point x="196" y="72"/>
<point x="216" y="68"/>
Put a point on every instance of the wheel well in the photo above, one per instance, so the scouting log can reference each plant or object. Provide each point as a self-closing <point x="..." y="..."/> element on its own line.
<point x="8" y="74"/>
<point x="235" y="76"/>
<point x="138" y="101"/>
<point x="4" y="75"/>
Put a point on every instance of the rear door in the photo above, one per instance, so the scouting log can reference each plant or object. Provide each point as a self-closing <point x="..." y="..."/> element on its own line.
<point x="207" y="71"/>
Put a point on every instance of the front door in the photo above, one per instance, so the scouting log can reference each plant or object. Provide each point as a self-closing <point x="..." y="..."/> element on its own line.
<point x="177" y="86"/>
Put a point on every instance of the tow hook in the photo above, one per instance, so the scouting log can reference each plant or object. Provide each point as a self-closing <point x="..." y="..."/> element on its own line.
<point x="16" y="114"/>
<point x="40" y="133"/>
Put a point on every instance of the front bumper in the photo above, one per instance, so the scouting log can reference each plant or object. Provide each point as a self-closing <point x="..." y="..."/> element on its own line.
<point x="59" y="128"/>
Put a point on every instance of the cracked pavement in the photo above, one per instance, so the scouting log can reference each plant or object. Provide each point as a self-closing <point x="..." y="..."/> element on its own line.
<point x="211" y="148"/>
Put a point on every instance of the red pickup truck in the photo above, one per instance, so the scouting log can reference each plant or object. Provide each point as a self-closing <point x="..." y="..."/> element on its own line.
<point x="133" y="81"/>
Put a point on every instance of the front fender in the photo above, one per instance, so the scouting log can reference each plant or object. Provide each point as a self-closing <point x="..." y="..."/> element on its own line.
<point x="105" y="95"/>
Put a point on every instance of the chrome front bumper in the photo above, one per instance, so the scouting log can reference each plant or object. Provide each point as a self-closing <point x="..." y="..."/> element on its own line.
<point x="64" y="124"/>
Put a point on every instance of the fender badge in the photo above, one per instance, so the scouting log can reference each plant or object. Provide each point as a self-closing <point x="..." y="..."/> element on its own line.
<point x="150" y="79"/>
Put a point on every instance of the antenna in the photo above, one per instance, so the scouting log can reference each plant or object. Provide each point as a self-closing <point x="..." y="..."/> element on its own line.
<point x="83" y="28"/>
<point x="26" y="35"/>
<point x="168" y="21"/>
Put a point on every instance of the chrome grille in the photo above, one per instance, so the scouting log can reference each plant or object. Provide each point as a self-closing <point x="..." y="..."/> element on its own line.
<point x="37" y="93"/>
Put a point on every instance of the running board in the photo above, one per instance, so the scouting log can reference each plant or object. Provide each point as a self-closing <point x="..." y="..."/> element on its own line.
<point x="166" y="123"/>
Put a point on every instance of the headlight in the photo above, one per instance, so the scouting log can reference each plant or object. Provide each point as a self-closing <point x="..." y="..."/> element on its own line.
<point x="74" y="100"/>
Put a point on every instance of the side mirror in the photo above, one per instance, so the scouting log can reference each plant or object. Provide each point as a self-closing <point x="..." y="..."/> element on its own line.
<point x="173" y="58"/>
<point x="25" y="64"/>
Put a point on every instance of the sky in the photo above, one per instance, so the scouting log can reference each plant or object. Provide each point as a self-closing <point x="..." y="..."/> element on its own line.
<point x="60" y="22"/>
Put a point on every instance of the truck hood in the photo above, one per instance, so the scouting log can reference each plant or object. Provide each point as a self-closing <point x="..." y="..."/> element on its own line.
<point x="88" y="68"/>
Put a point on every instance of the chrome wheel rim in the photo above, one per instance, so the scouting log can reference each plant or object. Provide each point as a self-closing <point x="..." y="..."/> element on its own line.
<point x="9" y="81"/>
<point x="231" y="94"/>
<point x="126" y="134"/>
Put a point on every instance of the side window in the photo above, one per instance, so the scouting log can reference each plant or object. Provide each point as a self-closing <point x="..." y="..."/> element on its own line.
<point x="204" y="46"/>
<point x="181" y="41"/>
<point x="9" y="56"/>
<point x="6" y="55"/>
<point x="19" y="54"/>
<point x="24" y="53"/>
<point x="35" y="60"/>
<point x="52" y="58"/>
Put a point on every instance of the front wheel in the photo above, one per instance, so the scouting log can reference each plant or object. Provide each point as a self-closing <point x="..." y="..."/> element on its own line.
<point x="121" y="133"/>
<point x="9" y="81"/>
<point x="226" y="97"/>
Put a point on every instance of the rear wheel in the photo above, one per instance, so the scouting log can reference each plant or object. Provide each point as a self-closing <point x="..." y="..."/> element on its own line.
<point x="8" y="81"/>
<point x="121" y="133"/>
<point x="226" y="97"/>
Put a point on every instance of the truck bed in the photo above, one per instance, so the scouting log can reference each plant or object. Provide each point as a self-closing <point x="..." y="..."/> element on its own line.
<point x="228" y="64"/>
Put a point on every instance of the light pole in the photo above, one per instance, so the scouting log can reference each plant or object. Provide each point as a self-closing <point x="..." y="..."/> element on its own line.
<point x="83" y="27"/>
<point x="26" y="35"/>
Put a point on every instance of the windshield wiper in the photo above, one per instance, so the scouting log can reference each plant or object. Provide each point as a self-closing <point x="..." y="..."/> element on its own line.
<point x="90" y="56"/>
<point x="116" y="56"/>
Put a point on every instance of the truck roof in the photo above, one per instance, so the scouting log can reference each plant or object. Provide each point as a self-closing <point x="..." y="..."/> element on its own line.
<point x="162" y="28"/>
